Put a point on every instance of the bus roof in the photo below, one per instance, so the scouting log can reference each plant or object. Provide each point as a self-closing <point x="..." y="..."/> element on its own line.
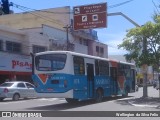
<point x="84" y="55"/>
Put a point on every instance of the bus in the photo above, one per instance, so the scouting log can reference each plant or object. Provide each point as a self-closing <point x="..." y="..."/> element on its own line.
<point x="76" y="77"/>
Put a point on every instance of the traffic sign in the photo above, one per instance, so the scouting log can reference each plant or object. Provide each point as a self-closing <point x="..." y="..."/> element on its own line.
<point x="90" y="16"/>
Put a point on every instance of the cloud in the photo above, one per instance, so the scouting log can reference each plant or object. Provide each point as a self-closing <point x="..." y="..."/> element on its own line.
<point x="112" y="40"/>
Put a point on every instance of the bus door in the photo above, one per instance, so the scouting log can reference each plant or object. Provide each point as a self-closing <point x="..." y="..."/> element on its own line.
<point x="90" y="79"/>
<point x="114" y="84"/>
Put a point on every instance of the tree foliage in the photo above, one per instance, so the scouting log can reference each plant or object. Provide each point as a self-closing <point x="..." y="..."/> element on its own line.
<point x="133" y="42"/>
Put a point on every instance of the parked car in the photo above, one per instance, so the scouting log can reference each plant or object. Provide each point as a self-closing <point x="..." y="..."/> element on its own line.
<point x="16" y="90"/>
<point x="157" y="85"/>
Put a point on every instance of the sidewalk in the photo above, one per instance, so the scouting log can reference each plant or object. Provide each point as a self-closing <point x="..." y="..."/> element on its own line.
<point x="145" y="102"/>
<point x="153" y="99"/>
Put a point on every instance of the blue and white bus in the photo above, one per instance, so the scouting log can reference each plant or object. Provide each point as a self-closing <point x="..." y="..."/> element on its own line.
<point x="77" y="77"/>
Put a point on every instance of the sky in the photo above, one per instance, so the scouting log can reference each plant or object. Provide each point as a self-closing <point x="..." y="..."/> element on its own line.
<point x="140" y="11"/>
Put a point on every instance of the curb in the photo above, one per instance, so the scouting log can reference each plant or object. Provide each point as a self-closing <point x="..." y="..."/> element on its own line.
<point x="142" y="105"/>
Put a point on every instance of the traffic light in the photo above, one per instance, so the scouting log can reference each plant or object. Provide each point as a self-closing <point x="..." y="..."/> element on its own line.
<point x="5" y="6"/>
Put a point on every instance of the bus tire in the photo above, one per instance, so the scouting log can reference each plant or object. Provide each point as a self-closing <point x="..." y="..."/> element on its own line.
<point x="99" y="95"/>
<point x="71" y="100"/>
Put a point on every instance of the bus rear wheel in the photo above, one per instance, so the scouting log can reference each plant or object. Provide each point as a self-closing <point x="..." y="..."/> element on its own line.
<point x="71" y="100"/>
<point x="99" y="95"/>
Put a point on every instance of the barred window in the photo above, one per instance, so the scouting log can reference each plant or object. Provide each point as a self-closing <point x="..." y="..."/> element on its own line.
<point x="37" y="49"/>
<point x="13" y="47"/>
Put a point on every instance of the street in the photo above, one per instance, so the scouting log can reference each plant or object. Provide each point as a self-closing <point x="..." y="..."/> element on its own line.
<point x="59" y="104"/>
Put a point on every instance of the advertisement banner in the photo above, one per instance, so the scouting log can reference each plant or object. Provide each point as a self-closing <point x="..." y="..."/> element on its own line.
<point x="13" y="62"/>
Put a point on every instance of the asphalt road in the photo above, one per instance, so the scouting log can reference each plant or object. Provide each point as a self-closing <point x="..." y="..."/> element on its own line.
<point x="55" y="104"/>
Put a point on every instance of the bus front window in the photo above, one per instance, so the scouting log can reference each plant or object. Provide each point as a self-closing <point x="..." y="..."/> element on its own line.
<point x="50" y="62"/>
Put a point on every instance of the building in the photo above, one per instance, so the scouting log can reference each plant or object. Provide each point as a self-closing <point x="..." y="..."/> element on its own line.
<point x="57" y="18"/>
<point x="24" y="33"/>
<point x="15" y="60"/>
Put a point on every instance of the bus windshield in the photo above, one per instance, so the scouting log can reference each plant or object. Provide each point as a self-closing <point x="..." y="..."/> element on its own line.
<point x="50" y="62"/>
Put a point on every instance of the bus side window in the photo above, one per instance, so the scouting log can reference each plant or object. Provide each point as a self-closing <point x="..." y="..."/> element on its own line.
<point x="103" y="68"/>
<point x="78" y="65"/>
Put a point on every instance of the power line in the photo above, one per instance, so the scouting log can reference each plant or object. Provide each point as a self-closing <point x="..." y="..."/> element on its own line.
<point x="120" y="4"/>
<point x="155" y="6"/>
<point x="31" y="10"/>
<point x="25" y="9"/>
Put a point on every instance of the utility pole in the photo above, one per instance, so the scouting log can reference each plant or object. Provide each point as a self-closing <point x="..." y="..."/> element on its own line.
<point x="5" y="6"/>
<point x="67" y="27"/>
<point x="145" y="92"/>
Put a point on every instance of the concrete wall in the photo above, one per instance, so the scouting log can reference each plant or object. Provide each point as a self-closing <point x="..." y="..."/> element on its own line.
<point x="35" y="37"/>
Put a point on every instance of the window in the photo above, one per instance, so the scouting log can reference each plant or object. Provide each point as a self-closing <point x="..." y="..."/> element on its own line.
<point x="124" y="70"/>
<point x="6" y="84"/>
<point x="1" y="45"/>
<point x="37" y="49"/>
<point x="103" y="68"/>
<point x="13" y="47"/>
<point x="101" y="50"/>
<point x="29" y="85"/>
<point x="97" y="48"/>
<point x="78" y="65"/>
<point x="21" y="85"/>
<point x="83" y="41"/>
<point x="50" y="62"/>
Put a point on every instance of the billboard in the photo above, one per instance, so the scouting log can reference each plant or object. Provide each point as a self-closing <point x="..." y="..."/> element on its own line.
<point x="90" y="16"/>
